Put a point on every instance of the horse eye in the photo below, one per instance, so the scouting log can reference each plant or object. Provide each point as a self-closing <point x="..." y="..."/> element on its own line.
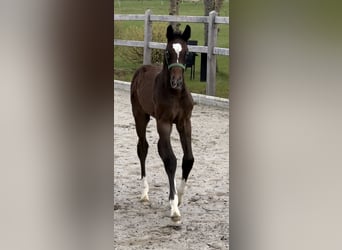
<point x="167" y="54"/>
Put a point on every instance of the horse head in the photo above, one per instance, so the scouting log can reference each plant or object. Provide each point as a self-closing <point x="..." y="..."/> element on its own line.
<point x="176" y="54"/>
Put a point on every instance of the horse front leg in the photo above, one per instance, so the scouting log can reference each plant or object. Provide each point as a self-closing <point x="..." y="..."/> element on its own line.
<point x="184" y="130"/>
<point x="170" y="164"/>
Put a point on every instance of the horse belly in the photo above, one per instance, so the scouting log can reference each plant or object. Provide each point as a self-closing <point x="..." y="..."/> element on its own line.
<point x="144" y="81"/>
<point x="145" y="97"/>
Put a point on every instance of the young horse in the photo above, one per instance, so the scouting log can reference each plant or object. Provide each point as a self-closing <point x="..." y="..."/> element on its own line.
<point x="161" y="93"/>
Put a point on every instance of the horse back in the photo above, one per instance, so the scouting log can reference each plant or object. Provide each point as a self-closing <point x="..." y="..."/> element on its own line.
<point x="142" y="88"/>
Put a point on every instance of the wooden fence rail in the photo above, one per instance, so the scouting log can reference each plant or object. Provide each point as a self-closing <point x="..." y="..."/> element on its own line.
<point x="211" y="50"/>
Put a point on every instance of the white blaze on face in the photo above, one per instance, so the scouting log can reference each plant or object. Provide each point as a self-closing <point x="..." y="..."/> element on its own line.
<point x="178" y="48"/>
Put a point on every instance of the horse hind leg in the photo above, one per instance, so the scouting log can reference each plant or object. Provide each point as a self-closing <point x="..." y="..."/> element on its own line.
<point x="141" y="121"/>
<point x="180" y="191"/>
<point x="184" y="130"/>
<point x="187" y="164"/>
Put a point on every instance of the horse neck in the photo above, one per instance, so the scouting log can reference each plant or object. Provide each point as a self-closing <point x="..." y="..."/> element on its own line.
<point x="166" y="75"/>
<point x="165" y="68"/>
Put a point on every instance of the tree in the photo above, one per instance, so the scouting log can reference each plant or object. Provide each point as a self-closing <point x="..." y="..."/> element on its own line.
<point x="174" y="11"/>
<point x="210" y="5"/>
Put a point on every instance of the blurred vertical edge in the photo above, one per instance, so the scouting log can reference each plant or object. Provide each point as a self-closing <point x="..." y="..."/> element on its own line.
<point x="87" y="39"/>
<point x="56" y="124"/>
<point x="285" y="124"/>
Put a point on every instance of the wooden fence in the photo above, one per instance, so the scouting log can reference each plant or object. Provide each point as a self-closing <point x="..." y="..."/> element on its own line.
<point x="147" y="44"/>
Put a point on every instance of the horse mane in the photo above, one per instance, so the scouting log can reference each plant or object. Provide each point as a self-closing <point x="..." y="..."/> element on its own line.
<point x="177" y="34"/>
<point x="172" y="34"/>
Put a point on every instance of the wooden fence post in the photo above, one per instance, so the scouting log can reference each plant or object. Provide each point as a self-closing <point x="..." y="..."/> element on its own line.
<point x="147" y="37"/>
<point x="211" y="61"/>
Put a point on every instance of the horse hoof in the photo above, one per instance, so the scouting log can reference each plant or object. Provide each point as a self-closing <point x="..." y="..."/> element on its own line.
<point x="175" y="215"/>
<point x="176" y="218"/>
<point x="144" y="198"/>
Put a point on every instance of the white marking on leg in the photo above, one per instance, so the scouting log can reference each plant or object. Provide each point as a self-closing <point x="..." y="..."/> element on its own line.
<point x="181" y="191"/>
<point x="178" y="48"/>
<point x="144" y="194"/>
<point x="174" y="204"/>
<point x="174" y="207"/>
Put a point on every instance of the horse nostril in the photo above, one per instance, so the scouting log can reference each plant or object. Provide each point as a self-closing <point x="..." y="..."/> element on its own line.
<point x="176" y="81"/>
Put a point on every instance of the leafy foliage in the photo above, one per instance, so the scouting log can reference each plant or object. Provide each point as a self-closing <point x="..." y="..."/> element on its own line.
<point x="135" y="54"/>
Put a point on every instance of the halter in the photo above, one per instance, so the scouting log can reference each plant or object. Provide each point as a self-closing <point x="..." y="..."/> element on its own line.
<point x="169" y="66"/>
<point x="176" y="65"/>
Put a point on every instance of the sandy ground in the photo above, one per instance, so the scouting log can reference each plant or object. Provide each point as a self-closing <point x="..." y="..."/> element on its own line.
<point x="147" y="225"/>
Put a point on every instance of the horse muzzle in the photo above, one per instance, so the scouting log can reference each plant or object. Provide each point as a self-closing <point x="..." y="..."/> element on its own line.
<point x="176" y="83"/>
<point x="176" y="70"/>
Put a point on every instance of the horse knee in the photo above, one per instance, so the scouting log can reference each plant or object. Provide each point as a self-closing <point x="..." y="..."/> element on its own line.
<point x="166" y="153"/>
<point x="170" y="163"/>
<point x="188" y="162"/>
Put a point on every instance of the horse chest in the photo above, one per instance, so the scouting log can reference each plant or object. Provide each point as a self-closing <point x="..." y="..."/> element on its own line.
<point x="173" y="109"/>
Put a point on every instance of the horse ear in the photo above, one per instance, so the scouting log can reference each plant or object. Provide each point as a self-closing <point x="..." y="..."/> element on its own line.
<point x="169" y="33"/>
<point x="187" y="33"/>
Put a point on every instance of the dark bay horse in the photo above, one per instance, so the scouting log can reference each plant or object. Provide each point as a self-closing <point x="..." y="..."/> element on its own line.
<point x="161" y="92"/>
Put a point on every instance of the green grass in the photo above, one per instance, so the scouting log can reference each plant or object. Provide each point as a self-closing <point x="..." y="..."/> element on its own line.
<point x="124" y="70"/>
